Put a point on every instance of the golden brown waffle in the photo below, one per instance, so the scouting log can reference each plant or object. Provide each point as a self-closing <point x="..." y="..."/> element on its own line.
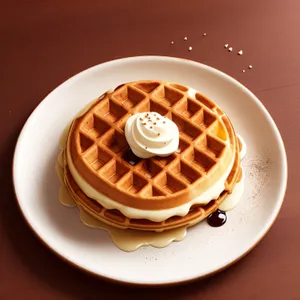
<point x="97" y="147"/>
<point x="114" y="218"/>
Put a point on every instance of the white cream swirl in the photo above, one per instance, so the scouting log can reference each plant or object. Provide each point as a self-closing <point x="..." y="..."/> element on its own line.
<point x="149" y="134"/>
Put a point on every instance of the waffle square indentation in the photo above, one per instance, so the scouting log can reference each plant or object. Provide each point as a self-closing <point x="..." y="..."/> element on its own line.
<point x="128" y="96"/>
<point x="187" y="108"/>
<point x="165" y="160"/>
<point x="115" y="141"/>
<point x="183" y="171"/>
<point x="151" y="191"/>
<point x="182" y="145"/>
<point x="167" y="96"/>
<point x="199" y="159"/>
<point x="186" y="129"/>
<point x="210" y="145"/>
<point x="85" y="142"/>
<point x="169" y="183"/>
<point x="204" y="118"/>
<point x="149" y="168"/>
<point x="97" y="157"/>
<point x="152" y="106"/>
<point x="111" y="110"/>
<point x="147" y="87"/>
<point x="95" y="126"/>
<point x="133" y="183"/>
<point x="113" y="171"/>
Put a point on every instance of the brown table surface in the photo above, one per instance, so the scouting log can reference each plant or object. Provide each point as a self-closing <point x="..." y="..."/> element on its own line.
<point x="45" y="42"/>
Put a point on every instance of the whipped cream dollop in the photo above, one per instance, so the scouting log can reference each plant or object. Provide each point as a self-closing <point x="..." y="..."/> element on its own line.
<point x="149" y="134"/>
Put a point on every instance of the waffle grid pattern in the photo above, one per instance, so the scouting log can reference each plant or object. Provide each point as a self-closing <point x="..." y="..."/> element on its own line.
<point x="103" y="145"/>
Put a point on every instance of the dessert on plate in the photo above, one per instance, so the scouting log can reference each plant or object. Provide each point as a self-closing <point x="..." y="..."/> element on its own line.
<point x="152" y="156"/>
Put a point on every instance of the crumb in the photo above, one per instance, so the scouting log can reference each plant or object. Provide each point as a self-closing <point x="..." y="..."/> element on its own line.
<point x="172" y="42"/>
<point x="226" y="46"/>
<point x="204" y="34"/>
<point x="250" y="67"/>
<point x="240" y="52"/>
<point x="244" y="71"/>
<point x="185" y="38"/>
<point x="190" y="48"/>
<point x="230" y="49"/>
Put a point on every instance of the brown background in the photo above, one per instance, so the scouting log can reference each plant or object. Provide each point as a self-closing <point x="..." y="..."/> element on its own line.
<point x="45" y="42"/>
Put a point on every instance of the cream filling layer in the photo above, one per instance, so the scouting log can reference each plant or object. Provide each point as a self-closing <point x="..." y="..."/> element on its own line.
<point x="154" y="215"/>
<point x="232" y="199"/>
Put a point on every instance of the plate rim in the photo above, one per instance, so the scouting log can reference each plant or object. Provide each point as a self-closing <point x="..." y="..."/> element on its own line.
<point x="260" y="235"/>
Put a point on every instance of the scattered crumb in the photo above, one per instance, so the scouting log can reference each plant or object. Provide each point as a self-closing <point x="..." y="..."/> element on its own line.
<point x="230" y="49"/>
<point x="172" y="42"/>
<point x="9" y="111"/>
<point x="226" y="46"/>
<point x="244" y="71"/>
<point x="204" y="34"/>
<point x="240" y="52"/>
<point x="190" y="48"/>
<point x="250" y="67"/>
<point x="185" y="38"/>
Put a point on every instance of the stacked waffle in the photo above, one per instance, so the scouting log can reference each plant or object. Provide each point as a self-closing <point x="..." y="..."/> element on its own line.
<point x="157" y="193"/>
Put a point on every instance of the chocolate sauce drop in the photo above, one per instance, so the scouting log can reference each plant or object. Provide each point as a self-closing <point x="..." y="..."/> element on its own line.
<point x="217" y="218"/>
<point x="131" y="158"/>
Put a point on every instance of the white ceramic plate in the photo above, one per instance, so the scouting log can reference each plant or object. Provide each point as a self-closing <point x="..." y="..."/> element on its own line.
<point x="205" y="250"/>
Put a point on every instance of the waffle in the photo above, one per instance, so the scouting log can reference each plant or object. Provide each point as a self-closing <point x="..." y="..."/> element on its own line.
<point x="116" y="219"/>
<point x="97" y="146"/>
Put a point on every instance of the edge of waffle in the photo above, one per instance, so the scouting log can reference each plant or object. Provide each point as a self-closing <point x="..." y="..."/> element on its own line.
<point x="116" y="219"/>
<point x="100" y="134"/>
